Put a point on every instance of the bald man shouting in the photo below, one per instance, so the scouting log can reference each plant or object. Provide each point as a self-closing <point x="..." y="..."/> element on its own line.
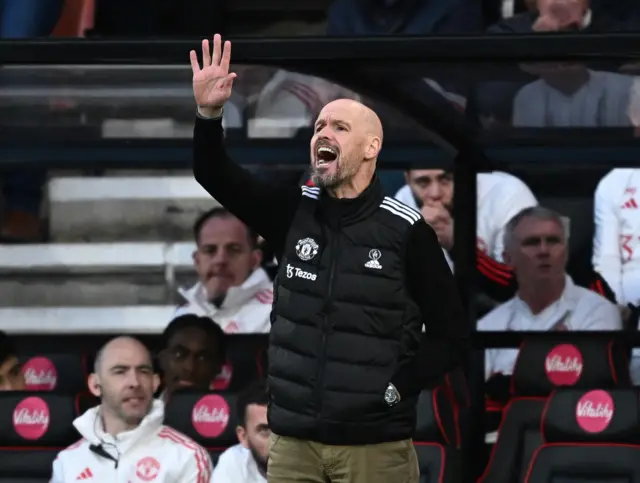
<point x="360" y="274"/>
<point x="123" y="439"/>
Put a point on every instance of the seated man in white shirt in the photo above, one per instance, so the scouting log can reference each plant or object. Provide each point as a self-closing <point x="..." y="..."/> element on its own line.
<point x="247" y="462"/>
<point x="233" y="289"/>
<point x="535" y="243"/>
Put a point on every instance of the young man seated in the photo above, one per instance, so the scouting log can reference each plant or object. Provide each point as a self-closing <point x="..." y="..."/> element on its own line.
<point x="246" y="462"/>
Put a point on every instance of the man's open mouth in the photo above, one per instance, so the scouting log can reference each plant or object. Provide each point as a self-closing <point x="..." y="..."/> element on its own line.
<point x="325" y="155"/>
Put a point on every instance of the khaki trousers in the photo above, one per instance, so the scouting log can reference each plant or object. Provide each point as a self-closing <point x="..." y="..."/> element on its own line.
<point x="293" y="460"/>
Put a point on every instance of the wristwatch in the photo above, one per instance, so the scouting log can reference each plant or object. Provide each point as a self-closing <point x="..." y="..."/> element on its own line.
<point x="391" y="395"/>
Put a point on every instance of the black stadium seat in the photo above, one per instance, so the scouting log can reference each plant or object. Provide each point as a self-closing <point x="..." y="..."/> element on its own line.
<point x="206" y="417"/>
<point x="542" y="366"/>
<point x="34" y="427"/>
<point x="63" y="373"/>
<point x="210" y="419"/>
<point x="436" y="438"/>
<point x="436" y="420"/>
<point x="589" y="436"/>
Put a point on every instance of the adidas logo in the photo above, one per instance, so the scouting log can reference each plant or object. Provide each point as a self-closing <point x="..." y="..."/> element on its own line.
<point x="631" y="204"/>
<point x="85" y="475"/>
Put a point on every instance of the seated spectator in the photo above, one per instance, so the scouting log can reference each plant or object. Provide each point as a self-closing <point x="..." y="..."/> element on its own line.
<point x="123" y="439"/>
<point x="576" y="15"/>
<point x="404" y="17"/>
<point x="11" y="377"/>
<point x="535" y="243"/>
<point x="247" y="462"/>
<point x="234" y="290"/>
<point x="499" y="197"/>
<point x="570" y="95"/>
<point x="616" y="243"/>
<point x="566" y="95"/>
<point x="192" y="353"/>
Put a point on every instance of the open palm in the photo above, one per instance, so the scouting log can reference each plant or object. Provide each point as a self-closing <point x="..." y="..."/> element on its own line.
<point x="212" y="83"/>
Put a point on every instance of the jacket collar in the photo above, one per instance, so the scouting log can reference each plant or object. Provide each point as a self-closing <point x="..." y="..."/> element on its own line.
<point x="236" y="296"/>
<point x="338" y="212"/>
<point x="89" y="425"/>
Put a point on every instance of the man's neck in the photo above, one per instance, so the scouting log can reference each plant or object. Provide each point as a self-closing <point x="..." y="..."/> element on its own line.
<point x="114" y="426"/>
<point x="353" y="188"/>
<point x="540" y="296"/>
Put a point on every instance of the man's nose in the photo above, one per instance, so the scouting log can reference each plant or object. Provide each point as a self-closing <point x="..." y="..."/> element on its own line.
<point x="544" y="249"/>
<point x="133" y="379"/>
<point x="433" y="191"/>
<point x="188" y="365"/>
<point x="221" y="257"/>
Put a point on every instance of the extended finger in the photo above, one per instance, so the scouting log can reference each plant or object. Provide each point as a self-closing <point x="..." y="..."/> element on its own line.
<point x="226" y="56"/>
<point x="206" y="56"/>
<point x="229" y="80"/>
<point x="217" y="48"/>
<point x="195" y="66"/>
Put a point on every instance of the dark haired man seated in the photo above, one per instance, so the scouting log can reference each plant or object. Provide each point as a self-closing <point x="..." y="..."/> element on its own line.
<point x="233" y="289"/>
<point x="247" y="462"/>
<point x="192" y="353"/>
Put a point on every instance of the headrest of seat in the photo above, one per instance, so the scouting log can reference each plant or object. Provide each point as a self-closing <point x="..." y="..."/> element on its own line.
<point x="544" y="365"/>
<point x="54" y="372"/>
<point x="596" y="415"/>
<point x="206" y="417"/>
<point x="36" y="418"/>
<point x="436" y="420"/>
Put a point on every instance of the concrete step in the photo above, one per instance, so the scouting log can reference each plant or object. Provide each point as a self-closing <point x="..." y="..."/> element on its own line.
<point x="94" y="274"/>
<point x="95" y="209"/>
<point x="90" y="290"/>
<point x="142" y="319"/>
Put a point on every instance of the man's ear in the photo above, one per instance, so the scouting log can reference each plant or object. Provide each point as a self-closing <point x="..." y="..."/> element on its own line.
<point x="161" y="360"/>
<point x="156" y="382"/>
<point x="241" y="433"/>
<point x="94" y="385"/>
<point x="373" y="148"/>
<point x="256" y="257"/>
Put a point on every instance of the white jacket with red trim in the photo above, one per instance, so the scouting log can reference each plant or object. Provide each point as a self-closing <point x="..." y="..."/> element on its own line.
<point x="616" y="243"/>
<point x="500" y="196"/>
<point x="150" y="453"/>
<point x="245" y="310"/>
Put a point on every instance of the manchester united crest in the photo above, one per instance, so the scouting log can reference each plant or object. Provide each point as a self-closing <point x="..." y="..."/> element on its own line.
<point x="147" y="469"/>
<point x="306" y="249"/>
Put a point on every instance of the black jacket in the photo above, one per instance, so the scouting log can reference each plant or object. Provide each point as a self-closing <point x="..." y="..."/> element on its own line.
<point x="335" y="344"/>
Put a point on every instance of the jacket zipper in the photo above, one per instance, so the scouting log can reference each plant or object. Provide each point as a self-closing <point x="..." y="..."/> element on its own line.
<point x="325" y="322"/>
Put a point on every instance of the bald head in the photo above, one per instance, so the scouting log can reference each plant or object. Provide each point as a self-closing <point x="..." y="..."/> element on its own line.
<point x="114" y="350"/>
<point x="364" y="118"/>
<point x="345" y="146"/>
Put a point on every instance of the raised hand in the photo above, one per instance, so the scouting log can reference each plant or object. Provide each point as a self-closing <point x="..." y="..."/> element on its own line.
<point x="212" y="83"/>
